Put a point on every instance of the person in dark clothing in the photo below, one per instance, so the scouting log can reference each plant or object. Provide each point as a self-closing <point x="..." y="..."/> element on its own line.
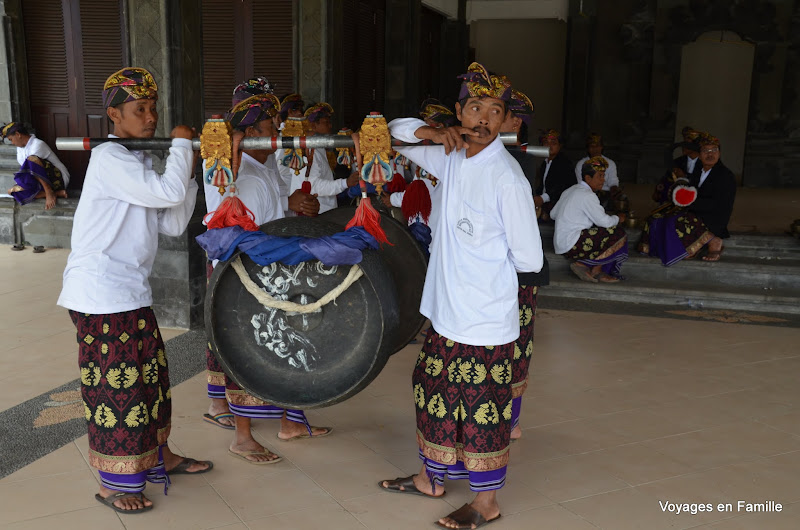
<point x="556" y="174"/>
<point x="716" y="192"/>
<point x="518" y="119"/>
<point x="685" y="166"/>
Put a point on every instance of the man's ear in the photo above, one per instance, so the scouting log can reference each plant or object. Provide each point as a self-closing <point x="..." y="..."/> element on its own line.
<point x="458" y="110"/>
<point x="114" y="114"/>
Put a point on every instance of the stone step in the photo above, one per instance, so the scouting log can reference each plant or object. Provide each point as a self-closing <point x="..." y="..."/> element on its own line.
<point x="683" y="295"/>
<point x="777" y="246"/>
<point x="730" y="272"/>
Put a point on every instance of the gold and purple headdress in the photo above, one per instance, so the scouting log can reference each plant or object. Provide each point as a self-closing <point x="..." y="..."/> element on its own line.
<point x="521" y="106"/>
<point x="594" y="139"/>
<point x="316" y="112"/>
<point x="253" y="110"/>
<point x="433" y="110"/>
<point x="252" y="87"/>
<point x="708" y="139"/>
<point x="478" y="83"/>
<point x="129" y="84"/>
<point x="291" y="102"/>
<point x="598" y="163"/>
<point x="9" y="129"/>
<point x="552" y="134"/>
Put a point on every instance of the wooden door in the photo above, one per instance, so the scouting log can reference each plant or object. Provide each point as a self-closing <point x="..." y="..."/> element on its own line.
<point x="71" y="48"/>
<point x="243" y="39"/>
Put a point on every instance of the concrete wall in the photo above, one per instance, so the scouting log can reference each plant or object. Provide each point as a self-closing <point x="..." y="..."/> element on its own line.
<point x="714" y="95"/>
<point x="532" y="54"/>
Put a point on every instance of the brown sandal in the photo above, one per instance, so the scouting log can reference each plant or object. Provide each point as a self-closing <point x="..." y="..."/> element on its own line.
<point x="407" y="483"/>
<point x="582" y="272"/>
<point x="713" y="255"/>
<point x="468" y="517"/>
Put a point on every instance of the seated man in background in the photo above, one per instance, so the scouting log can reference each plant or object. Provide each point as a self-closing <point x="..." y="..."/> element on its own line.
<point x="611" y="189"/>
<point x="585" y="234"/>
<point x="556" y="172"/>
<point x="41" y="173"/>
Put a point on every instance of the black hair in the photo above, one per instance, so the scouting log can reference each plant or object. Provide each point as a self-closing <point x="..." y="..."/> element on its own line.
<point x="522" y="135"/>
<point x="587" y="170"/>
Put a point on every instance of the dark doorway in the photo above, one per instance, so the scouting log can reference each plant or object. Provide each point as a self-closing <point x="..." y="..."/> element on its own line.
<point x="72" y="47"/>
<point x="430" y="32"/>
<point x="242" y="39"/>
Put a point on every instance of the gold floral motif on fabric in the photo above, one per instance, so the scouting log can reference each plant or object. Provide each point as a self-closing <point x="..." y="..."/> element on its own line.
<point x="123" y="465"/>
<point x="215" y="378"/>
<point x="614" y="248"/>
<point x="90" y="375"/>
<point x="436" y="406"/>
<point x="419" y="396"/>
<point x="468" y="371"/>
<point x="138" y="415"/>
<point x="518" y="389"/>
<point x="472" y="461"/>
<point x="242" y="398"/>
<point x="487" y="413"/>
<point x="104" y="416"/>
<point x="501" y="373"/>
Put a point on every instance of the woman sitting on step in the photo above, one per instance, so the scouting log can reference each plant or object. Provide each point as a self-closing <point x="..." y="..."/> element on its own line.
<point x="678" y="231"/>
<point x="584" y="233"/>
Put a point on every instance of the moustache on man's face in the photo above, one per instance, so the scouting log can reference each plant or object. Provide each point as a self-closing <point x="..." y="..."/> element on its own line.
<point x="480" y="129"/>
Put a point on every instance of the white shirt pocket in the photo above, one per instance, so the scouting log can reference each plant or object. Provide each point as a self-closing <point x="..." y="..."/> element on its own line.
<point x="469" y="226"/>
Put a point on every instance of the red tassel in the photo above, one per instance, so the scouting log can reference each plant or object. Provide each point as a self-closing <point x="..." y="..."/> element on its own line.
<point x="417" y="200"/>
<point x="232" y="212"/>
<point x="305" y="187"/>
<point x="368" y="217"/>
<point x="397" y="184"/>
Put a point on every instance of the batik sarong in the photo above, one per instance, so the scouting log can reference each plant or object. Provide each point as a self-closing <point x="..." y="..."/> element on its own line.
<point x="221" y="386"/>
<point x="27" y="184"/>
<point x="126" y="395"/>
<point x="523" y="348"/>
<point x="601" y="246"/>
<point x="673" y="234"/>
<point x="463" y="398"/>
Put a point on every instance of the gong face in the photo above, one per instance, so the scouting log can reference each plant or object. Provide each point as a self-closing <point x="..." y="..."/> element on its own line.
<point x="302" y="360"/>
<point x="406" y="263"/>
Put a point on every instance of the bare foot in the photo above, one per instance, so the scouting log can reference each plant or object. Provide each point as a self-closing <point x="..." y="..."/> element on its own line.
<point x="62" y="194"/>
<point x="171" y="460"/>
<point x="294" y="429"/>
<point x="253" y="451"/>
<point x="220" y="406"/>
<point x="516" y="433"/>
<point x="128" y="503"/>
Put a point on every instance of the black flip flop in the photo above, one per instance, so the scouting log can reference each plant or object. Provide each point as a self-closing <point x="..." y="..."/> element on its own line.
<point x="466" y="516"/>
<point x="38" y="249"/>
<point x="18" y="247"/>
<point x="109" y="501"/>
<point x="408" y="487"/>
<point x="186" y="463"/>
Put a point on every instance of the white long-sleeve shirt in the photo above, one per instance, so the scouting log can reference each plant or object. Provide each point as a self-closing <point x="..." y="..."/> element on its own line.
<point x="485" y="233"/>
<point x="124" y="205"/>
<point x="258" y="186"/>
<point x="576" y="210"/>
<point x="36" y="147"/>
<point x="321" y="177"/>
<point x="612" y="179"/>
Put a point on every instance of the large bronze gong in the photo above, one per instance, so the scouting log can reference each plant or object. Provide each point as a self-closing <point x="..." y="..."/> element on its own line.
<point x="407" y="264"/>
<point x="303" y="360"/>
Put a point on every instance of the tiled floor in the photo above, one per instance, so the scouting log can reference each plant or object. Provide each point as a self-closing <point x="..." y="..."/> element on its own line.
<point x="622" y="414"/>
